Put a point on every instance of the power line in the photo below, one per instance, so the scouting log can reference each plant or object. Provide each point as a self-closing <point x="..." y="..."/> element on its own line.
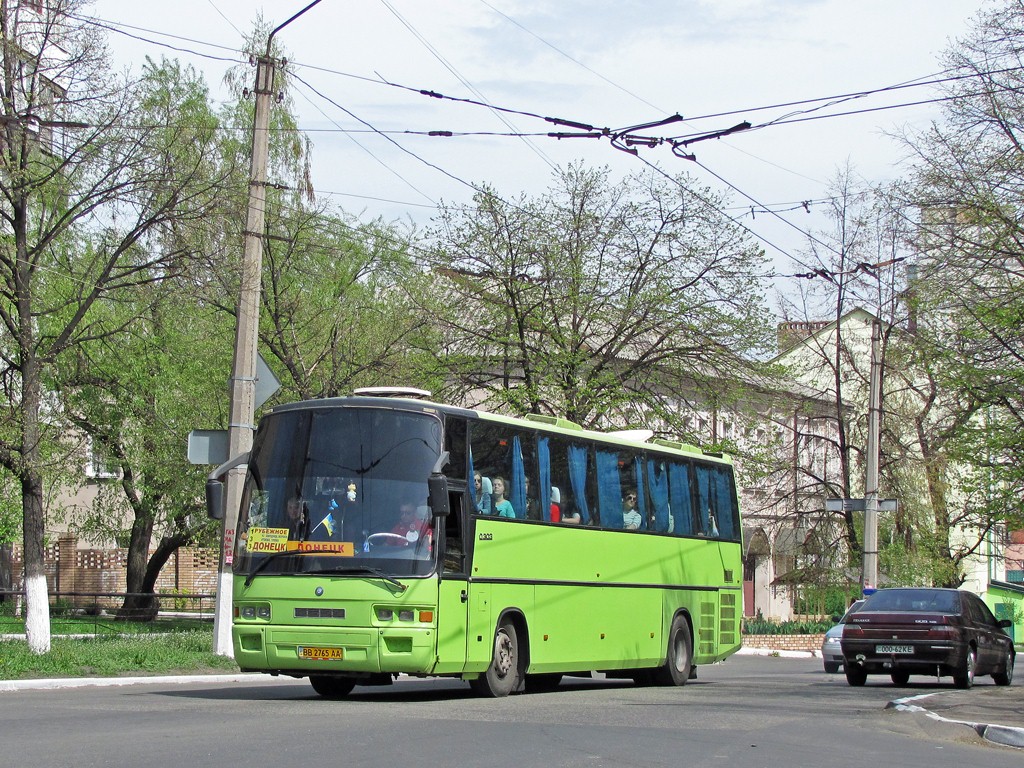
<point x="447" y="65"/>
<point x="119" y="28"/>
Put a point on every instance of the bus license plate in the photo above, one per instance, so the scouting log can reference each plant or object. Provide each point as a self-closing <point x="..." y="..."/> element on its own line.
<point x="894" y="649"/>
<point x="319" y="653"/>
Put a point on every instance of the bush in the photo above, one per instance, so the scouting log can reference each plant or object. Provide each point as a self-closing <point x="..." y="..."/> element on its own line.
<point x="762" y="626"/>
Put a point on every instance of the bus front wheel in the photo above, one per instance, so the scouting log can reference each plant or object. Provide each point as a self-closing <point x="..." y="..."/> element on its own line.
<point x="679" y="659"/>
<point x="502" y="676"/>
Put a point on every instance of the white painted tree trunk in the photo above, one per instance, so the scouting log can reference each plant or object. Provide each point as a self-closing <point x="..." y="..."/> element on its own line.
<point x="37" y="618"/>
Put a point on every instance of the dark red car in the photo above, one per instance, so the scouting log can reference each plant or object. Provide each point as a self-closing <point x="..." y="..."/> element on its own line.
<point x="926" y="631"/>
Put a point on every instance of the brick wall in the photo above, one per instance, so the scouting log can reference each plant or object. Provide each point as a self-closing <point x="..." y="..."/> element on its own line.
<point x="189" y="571"/>
<point x="784" y="642"/>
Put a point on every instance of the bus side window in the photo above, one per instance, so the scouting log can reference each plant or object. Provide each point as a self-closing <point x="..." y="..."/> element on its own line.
<point x="609" y="489"/>
<point x="725" y="508"/>
<point x="680" y="497"/>
<point x="705" y="497"/>
<point x="657" y="482"/>
<point x="558" y="458"/>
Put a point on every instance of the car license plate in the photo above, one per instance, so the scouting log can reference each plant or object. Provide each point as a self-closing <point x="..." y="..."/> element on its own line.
<point x="319" y="653"/>
<point x="894" y="649"/>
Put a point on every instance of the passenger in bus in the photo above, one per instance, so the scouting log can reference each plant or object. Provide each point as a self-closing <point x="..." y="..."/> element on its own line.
<point x="412" y="523"/>
<point x="532" y="505"/>
<point x="555" y="513"/>
<point x="297" y="518"/>
<point x="482" y="493"/>
<point x="571" y="517"/>
<point x="502" y="507"/>
<point x="630" y="514"/>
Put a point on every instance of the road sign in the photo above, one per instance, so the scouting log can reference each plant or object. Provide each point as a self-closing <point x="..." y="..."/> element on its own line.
<point x="858" y="505"/>
<point x="266" y="382"/>
<point x="208" y="446"/>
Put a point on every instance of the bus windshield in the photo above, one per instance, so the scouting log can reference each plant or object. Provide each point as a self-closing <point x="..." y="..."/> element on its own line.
<point x="339" y="489"/>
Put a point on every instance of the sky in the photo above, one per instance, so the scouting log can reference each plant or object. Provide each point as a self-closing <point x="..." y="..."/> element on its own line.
<point x="605" y="64"/>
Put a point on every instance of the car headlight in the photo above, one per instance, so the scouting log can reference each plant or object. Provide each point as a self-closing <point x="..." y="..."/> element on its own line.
<point x="833" y="640"/>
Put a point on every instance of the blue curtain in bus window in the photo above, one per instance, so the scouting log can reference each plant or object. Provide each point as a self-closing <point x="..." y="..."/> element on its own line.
<point x="641" y="497"/>
<point x="518" y="480"/>
<point x="723" y="504"/>
<point x="679" y="498"/>
<point x="704" y="491"/>
<point x="578" y="480"/>
<point x="472" y="485"/>
<point x="609" y="489"/>
<point x="544" y="472"/>
<point x="658" y="482"/>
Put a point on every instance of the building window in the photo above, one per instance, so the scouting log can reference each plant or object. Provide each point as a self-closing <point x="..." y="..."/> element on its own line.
<point x="101" y="466"/>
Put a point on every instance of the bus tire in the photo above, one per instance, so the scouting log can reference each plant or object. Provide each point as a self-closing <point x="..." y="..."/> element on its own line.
<point x="331" y="687"/>
<point x="679" y="657"/>
<point x="503" y="674"/>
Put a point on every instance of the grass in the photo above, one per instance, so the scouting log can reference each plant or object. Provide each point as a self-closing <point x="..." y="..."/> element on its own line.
<point x="120" y="649"/>
<point x="104" y="625"/>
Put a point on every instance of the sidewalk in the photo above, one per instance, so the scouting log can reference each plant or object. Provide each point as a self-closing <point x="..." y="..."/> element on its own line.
<point x="995" y="712"/>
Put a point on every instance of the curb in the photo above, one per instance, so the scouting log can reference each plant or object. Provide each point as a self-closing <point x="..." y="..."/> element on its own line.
<point x="99" y="682"/>
<point x="1004" y="735"/>
<point x="744" y="651"/>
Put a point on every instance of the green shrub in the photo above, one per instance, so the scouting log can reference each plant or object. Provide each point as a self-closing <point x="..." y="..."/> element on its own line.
<point x="762" y="626"/>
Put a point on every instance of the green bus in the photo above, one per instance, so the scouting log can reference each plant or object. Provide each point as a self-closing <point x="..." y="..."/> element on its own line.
<point x="385" y="534"/>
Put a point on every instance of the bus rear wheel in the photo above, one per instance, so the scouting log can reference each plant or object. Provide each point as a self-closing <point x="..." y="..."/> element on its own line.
<point x="503" y="674"/>
<point x="332" y="687"/>
<point x="679" y="659"/>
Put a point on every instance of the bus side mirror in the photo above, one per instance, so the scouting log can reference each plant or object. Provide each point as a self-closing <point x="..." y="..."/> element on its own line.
<point x="437" y="486"/>
<point x="215" y="486"/>
<point x="215" y="499"/>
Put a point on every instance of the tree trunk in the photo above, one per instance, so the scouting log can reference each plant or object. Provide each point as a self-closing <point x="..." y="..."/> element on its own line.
<point x="142" y="603"/>
<point x="37" y="603"/>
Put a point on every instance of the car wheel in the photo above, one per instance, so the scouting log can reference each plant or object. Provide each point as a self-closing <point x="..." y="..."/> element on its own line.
<point x="1006" y="676"/>
<point x="856" y="676"/>
<point x="832" y="667"/>
<point x="964" y="677"/>
<point x="900" y="677"/>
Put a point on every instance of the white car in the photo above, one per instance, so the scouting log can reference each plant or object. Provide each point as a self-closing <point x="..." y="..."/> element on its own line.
<point x="831" y="651"/>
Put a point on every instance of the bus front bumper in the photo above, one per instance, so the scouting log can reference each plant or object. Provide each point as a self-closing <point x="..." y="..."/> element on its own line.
<point x="302" y="651"/>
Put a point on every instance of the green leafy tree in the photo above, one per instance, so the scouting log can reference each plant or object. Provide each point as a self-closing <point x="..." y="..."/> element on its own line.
<point x="969" y="289"/>
<point x="88" y="192"/>
<point x="333" y="316"/>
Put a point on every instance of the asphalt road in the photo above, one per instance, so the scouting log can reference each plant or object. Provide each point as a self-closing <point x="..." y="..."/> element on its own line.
<point x="750" y="711"/>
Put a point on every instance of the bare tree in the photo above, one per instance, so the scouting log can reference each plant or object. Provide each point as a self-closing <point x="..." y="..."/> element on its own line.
<point x="599" y="301"/>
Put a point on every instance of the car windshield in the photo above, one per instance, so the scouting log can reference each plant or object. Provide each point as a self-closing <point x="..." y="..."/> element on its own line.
<point x="914" y="601"/>
<point x="339" y="487"/>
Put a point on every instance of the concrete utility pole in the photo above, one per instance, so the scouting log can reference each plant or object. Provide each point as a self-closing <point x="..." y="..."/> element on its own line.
<point x="869" y="578"/>
<point x="243" y="376"/>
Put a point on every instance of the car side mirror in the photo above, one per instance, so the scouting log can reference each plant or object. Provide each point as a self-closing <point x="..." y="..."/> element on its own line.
<point x="1004" y="623"/>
